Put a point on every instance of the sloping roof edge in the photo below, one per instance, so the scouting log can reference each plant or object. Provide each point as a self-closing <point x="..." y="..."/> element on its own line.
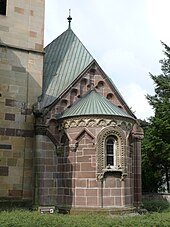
<point x="113" y="86"/>
<point x="50" y="106"/>
<point x="66" y="57"/>
<point x="92" y="103"/>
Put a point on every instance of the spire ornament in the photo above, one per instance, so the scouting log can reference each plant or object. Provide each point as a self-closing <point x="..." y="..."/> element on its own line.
<point x="69" y="19"/>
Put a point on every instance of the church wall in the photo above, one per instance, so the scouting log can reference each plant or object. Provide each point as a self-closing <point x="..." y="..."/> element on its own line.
<point x="21" y="64"/>
<point x="86" y="187"/>
<point x="86" y="190"/>
<point x="67" y="173"/>
<point x="45" y="171"/>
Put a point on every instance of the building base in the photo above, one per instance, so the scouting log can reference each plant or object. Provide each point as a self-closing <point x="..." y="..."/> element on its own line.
<point x="91" y="210"/>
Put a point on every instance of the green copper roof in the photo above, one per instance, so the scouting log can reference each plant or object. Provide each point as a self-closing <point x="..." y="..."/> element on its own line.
<point x="65" y="58"/>
<point x="92" y="103"/>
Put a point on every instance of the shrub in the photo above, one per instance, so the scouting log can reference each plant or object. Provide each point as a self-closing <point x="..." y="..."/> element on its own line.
<point x="156" y="205"/>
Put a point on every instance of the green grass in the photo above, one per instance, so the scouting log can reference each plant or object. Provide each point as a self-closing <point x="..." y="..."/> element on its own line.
<point x="22" y="218"/>
<point x="158" y="215"/>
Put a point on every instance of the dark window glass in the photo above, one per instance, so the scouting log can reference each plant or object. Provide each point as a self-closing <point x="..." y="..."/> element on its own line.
<point x="110" y="151"/>
<point x="3" y="7"/>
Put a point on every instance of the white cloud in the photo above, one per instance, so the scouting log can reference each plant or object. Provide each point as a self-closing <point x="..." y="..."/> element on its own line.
<point x="158" y="18"/>
<point x="135" y="97"/>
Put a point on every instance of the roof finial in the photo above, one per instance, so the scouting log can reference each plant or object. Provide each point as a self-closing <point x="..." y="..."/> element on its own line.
<point x="69" y="19"/>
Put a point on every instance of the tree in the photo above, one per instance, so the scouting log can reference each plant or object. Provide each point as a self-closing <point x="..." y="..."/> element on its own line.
<point x="157" y="139"/>
<point x="151" y="175"/>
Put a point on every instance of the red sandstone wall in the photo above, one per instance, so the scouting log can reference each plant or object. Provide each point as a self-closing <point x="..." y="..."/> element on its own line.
<point x="67" y="174"/>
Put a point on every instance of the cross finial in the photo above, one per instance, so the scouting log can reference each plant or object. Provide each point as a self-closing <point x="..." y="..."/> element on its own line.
<point x="69" y="19"/>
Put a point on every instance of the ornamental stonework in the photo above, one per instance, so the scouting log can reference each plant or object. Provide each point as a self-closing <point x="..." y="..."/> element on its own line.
<point x="120" y="151"/>
<point x="96" y="122"/>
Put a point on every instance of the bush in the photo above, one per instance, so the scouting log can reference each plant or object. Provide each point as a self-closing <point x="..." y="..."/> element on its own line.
<point x="14" y="203"/>
<point x="156" y="205"/>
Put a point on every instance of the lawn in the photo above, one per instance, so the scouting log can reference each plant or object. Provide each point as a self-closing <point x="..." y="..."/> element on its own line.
<point x="158" y="215"/>
<point x="22" y="218"/>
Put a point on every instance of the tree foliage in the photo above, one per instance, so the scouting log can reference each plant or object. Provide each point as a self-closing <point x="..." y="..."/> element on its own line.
<point x="156" y="145"/>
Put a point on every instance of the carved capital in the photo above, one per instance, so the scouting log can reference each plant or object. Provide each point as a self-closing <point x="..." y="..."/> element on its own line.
<point x="59" y="150"/>
<point x="138" y="132"/>
<point x="73" y="147"/>
<point x="138" y="136"/>
<point x="100" y="176"/>
<point x="123" y="176"/>
<point x="39" y="112"/>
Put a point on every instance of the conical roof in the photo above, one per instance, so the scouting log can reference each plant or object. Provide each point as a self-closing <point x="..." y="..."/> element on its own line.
<point x="65" y="58"/>
<point x="92" y="103"/>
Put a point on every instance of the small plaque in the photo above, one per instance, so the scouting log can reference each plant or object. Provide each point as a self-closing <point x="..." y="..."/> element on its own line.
<point x="49" y="210"/>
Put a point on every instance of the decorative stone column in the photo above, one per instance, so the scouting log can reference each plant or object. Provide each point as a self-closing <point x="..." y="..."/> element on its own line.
<point x="137" y="136"/>
<point x="40" y="130"/>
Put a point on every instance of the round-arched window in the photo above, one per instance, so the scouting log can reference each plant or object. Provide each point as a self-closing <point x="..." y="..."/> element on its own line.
<point x="110" y="150"/>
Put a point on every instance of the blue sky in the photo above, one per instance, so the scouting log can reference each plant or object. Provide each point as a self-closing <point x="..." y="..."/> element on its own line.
<point x="123" y="36"/>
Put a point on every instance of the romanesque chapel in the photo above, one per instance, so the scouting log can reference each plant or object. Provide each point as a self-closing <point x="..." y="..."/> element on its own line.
<point x="67" y="137"/>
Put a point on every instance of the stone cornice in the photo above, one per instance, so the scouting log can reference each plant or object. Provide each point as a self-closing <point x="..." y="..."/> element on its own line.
<point x="98" y="121"/>
<point x="40" y="129"/>
<point x="21" y="49"/>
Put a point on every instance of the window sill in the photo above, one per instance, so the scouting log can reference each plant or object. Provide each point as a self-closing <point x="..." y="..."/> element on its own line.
<point x="112" y="169"/>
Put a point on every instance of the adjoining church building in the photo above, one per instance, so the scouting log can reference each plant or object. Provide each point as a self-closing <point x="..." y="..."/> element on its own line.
<point x="67" y="137"/>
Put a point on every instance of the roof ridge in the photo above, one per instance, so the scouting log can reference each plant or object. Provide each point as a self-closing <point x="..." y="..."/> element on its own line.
<point x="58" y="37"/>
<point x="66" y="57"/>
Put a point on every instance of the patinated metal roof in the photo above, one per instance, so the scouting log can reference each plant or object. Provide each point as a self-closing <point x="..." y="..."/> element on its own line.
<point x="64" y="61"/>
<point x="92" y="103"/>
<point x="65" y="58"/>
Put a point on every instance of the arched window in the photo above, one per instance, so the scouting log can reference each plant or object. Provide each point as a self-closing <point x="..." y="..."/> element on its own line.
<point x="3" y="7"/>
<point x="83" y="84"/>
<point x="73" y="95"/>
<point x="110" y="96"/>
<point x="110" y="151"/>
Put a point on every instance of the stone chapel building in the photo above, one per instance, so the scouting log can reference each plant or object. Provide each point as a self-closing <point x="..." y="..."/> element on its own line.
<point x="67" y="137"/>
